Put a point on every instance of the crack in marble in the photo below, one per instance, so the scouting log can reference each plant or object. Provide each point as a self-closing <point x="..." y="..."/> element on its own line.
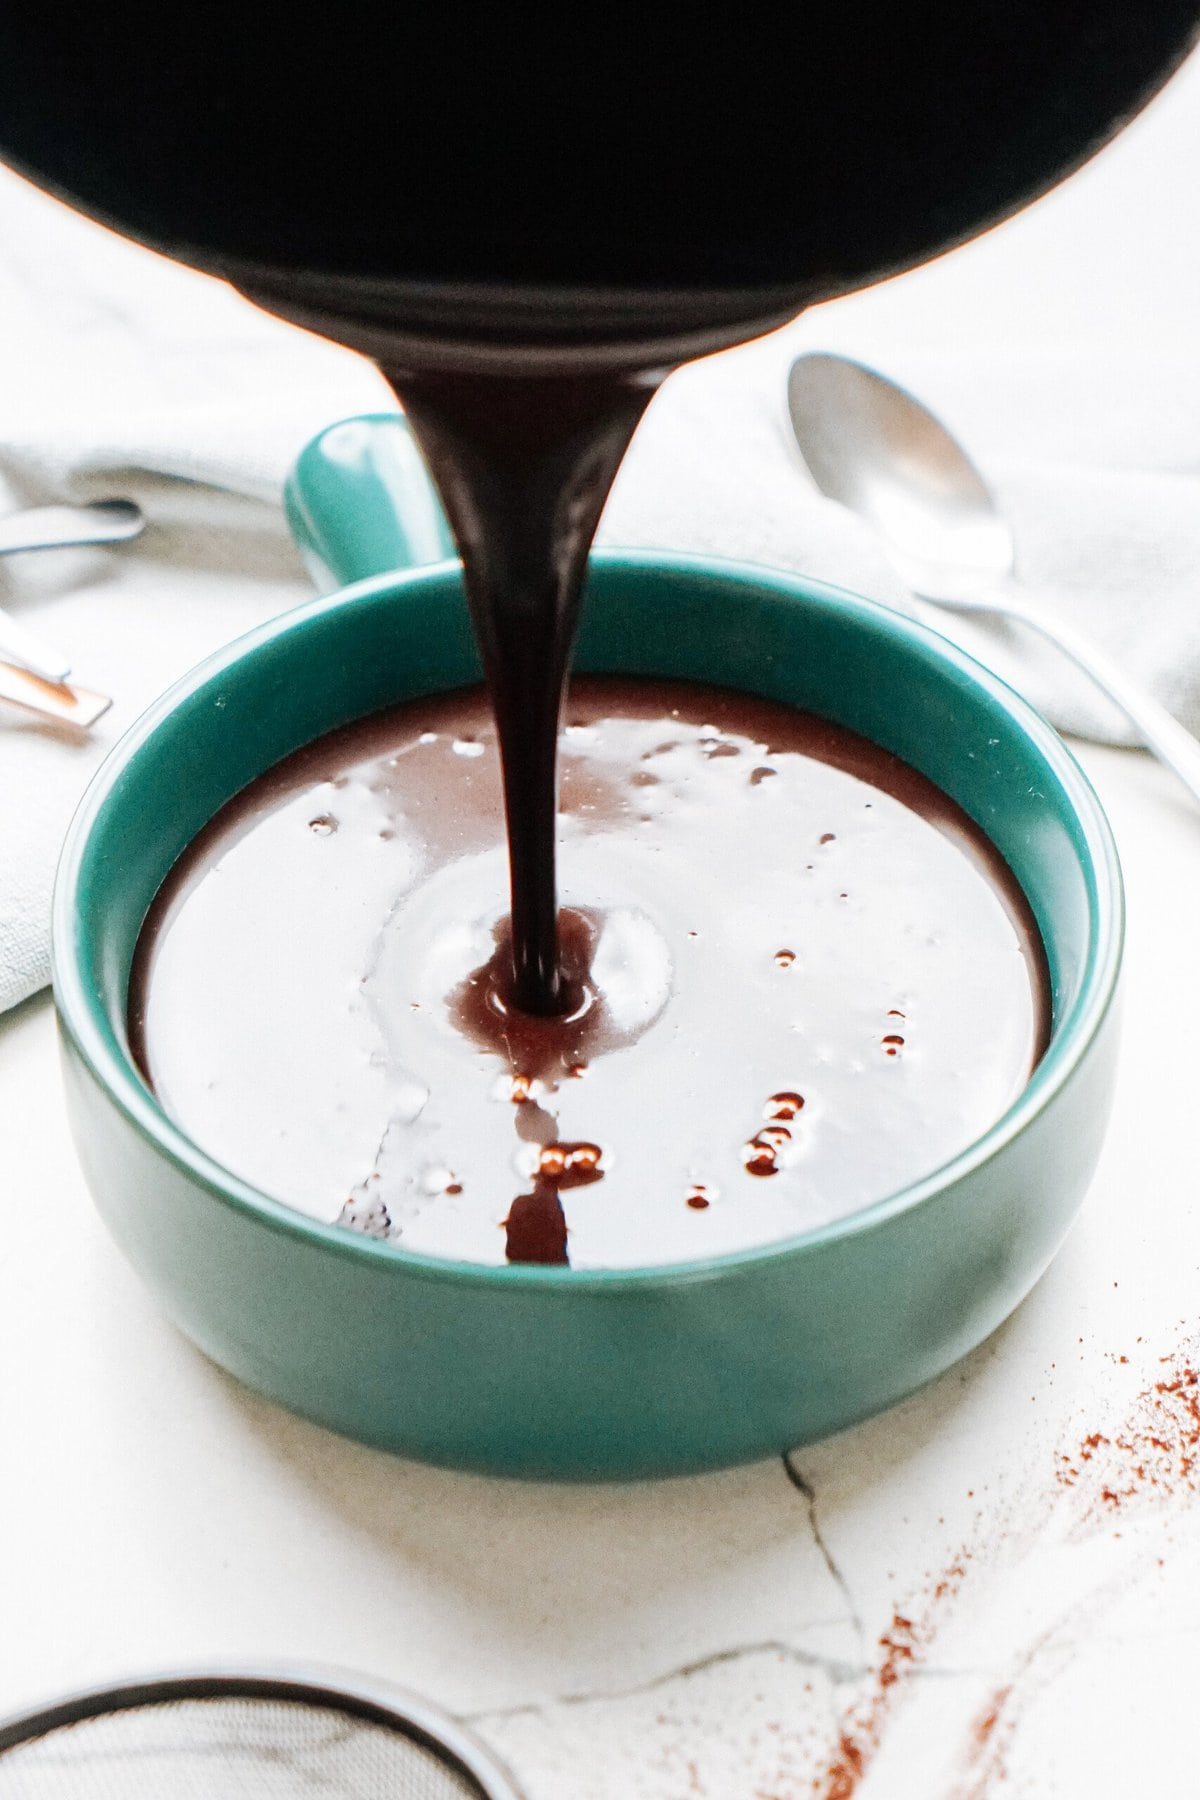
<point x="837" y="1671"/>
<point x="805" y="1488"/>
<point x="840" y="1674"/>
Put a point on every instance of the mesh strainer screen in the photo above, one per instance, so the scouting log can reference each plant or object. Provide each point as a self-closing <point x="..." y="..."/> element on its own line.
<point x="230" y="1748"/>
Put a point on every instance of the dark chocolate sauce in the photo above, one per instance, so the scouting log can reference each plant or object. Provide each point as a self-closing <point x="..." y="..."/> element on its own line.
<point x="524" y="465"/>
<point x="539" y="1046"/>
<point x="536" y="1227"/>
<point x="321" y="993"/>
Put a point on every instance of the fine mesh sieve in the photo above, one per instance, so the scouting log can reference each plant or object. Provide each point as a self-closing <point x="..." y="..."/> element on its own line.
<point x="244" y="1737"/>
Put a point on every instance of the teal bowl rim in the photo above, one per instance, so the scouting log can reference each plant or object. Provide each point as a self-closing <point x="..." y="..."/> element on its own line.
<point x="83" y="1021"/>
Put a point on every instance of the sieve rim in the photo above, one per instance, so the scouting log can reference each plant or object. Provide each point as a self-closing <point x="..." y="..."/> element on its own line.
<point x="372" y="1701"/>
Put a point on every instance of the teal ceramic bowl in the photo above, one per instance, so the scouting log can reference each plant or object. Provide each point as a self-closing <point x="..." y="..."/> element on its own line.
<point x="543" y="1371"/>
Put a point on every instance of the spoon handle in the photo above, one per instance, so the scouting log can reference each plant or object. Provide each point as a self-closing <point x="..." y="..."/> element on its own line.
<point x="1163" y="735"/>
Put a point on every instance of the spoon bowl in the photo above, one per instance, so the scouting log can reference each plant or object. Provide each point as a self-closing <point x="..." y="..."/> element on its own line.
<point x="873" y="447"/>
<point x="870" y="445"/>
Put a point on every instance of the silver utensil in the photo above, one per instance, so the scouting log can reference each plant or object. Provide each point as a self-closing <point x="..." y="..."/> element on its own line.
<point x="870" y="445"/>
<point x="58" y="528"/>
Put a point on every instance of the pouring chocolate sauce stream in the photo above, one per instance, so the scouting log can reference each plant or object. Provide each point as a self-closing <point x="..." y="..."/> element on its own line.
<point x="524" y="466"/>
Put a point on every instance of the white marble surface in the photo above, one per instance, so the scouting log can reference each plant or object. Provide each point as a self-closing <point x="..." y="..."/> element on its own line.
<point x="962" y="1599"/>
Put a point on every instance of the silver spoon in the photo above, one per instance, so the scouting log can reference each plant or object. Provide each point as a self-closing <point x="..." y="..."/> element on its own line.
<point x="870" y="445"/>
<point x="58" y="528"/>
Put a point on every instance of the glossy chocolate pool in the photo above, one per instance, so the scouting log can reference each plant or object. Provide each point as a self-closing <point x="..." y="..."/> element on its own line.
<point x="798" y="979"/>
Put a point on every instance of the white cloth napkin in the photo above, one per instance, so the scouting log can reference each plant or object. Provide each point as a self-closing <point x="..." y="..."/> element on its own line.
<point x="123" y="374"/>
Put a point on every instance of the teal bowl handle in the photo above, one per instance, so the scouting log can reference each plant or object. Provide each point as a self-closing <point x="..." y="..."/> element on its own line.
<point x="359" y="501"/>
